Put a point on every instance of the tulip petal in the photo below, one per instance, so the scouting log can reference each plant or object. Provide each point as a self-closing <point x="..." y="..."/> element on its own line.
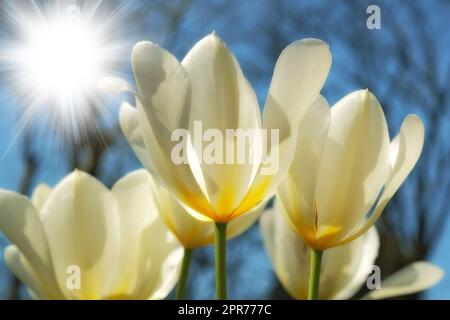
<point x="114" y="85"/>
<point x="21" y="224"/>
<point x="270" y="174"/>
<point x="344" y="269"/>
<point x="296" y="192"/>
<point x="244" y="222"/>
<point x="136" y="210"/>
<point x="405" y="151"/>
<point x="222" y="100"/>
<point x="145" y="275"/>
<point x="354" y="165"/>
<point x="414" y="278"/>
<point x="408" y="144"/>
<point x="357" y="268"/>
<point x="82" y="225"/>
<point x="129" y="124"/>
<point x="299" y="75"/>
<point x="165" y="274"/>
<point x="288" y="254"/>
<point x="191" y="232"/>
<point x="40" y="195"/>
<point x="164" y="86"/>
<point x="17" y="263"/>
<point x="164" y="106"/>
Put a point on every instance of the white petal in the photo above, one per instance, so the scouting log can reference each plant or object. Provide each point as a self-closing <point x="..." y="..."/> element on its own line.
<point x="20" y="223"/>
<point x="405" y="151"/>
<point x="288" y="254"/>
<point x="182" y="222"/>
<point x="299" y="75"/>
<point x="129" y="124"/>
<point x="114" y="85"/>
<point x="136" y="211"/>
<point x="164" y="85"/>
<point x="191" y="232"/>
<point x="352" y="277"/>
<point x="354" y="165"/>
<point x="222" y="99"/>
<point x="408" y="144"/>
<point x="344" y="269"/>
<point x="40" y="195"/>
<point x="82" y="225"/>
<point x="221" y="96"/>
<point x="414" y="278"/>
<point x="244" y="222"/>
<point x="22" y="270"/>
<point x="271" y="173"/>
<point x="166" y="270"/>
<point x="297" y="191"/>
<point x="146" y="245"/>
<point x="163" y="108"/>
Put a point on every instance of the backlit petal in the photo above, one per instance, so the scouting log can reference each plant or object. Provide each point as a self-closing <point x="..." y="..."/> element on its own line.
<point x="163" y="107"/>
<point x="20" y="222"/>
<point x="82" y="225"/>
<point x="297" y="191"/>
<point x="299" y="75"/>
<point x="40" y="195"/>
<point x="142" y="229"/>
<point x="414" y="278"/>
<point x="354" y="165"/>
<point x="223" y="101"/>
<point x="405" y="151"/>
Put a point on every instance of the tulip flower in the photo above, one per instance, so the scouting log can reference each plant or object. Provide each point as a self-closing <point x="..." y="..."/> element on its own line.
<point x="208" y="89"/>
<point x="192" y="233"/>
<point x="345" y="171"/>
<point x="344" y="270"/>
<point x="80" y="240"/>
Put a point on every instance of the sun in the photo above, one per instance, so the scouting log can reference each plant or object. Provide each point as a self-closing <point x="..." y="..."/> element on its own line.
<point x="63" y="59"/>
<point x="56" y="58"/>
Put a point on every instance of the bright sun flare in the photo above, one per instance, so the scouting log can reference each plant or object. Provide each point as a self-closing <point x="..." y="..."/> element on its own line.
<point x="55" y="59"/>
<point x="63" y="59"/>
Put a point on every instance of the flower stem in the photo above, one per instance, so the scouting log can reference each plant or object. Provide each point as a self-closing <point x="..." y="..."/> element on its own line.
<point x="182" y="283"/>
<point x="314" y="274"/>
<point x="220" y="237"/>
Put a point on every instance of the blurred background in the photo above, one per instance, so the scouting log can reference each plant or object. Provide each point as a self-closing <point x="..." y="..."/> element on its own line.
<point x="406" y="64"/>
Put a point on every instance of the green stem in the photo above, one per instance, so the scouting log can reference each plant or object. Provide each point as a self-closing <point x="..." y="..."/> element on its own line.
<point x="314" y="274"/>
<point x="220" y="237"/>
<point x="182" y="283"/>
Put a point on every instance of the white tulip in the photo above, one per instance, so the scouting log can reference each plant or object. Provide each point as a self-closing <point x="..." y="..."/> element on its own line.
<point x="190" y="231"/>
<point x="114" y="238"/>
<point x="208" y="87"/>
<point x="344" y="269"/>
<point x="343" y="163"/>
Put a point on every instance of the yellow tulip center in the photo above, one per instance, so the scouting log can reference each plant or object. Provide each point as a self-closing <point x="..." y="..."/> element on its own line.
<point x="120" y="296"/>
